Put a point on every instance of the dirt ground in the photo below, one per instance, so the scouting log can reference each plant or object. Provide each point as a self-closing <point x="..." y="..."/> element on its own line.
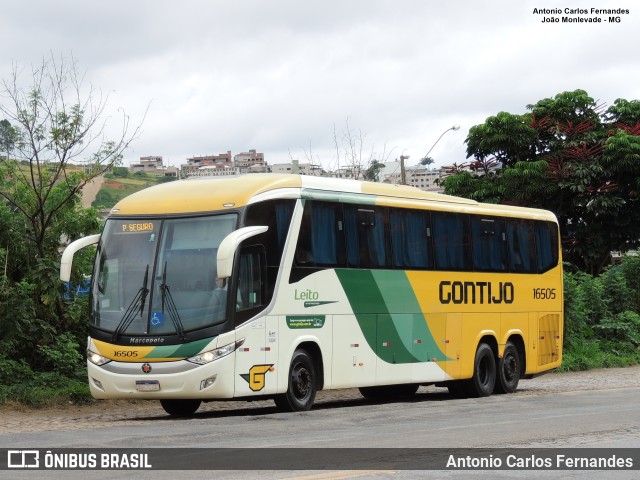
<point x="104" y="413"/>
<point x="90" y="191"/>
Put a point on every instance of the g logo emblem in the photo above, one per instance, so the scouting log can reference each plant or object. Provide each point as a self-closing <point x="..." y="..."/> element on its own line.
<point x="255" y="377"/>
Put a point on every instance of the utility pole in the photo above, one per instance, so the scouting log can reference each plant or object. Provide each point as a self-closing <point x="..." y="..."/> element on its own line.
<point x="403" y="172"/>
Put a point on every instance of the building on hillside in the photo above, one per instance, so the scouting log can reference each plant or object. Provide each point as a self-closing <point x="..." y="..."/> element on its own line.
<point x="222" y="161"/>
<point x="149" y="164"/>
<point x="355" y="172"/>
<point x="418" y="176"/>
<point x="296" y="167"/>
<point x="250" y="162"/>
<point x="153" y="165"/>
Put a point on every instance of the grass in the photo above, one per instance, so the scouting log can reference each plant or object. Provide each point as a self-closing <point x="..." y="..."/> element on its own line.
<point x="588" y="354"/>
<point x="115" y="189"/>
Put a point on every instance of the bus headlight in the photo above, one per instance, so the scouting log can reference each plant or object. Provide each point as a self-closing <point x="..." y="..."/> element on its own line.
<point x="96" y="358"/>
<point x="208" y="357"/>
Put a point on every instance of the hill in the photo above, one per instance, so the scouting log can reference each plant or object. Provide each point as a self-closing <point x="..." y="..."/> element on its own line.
<point x="120" y="184"/>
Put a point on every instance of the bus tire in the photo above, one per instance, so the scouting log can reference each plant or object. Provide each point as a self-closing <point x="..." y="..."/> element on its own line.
<point x="484" y="373"/>
<point x="389" y="391"/>
<point x="509" y="368"/>
<point x="301" y="388"/>
<point x="180" y="408"/>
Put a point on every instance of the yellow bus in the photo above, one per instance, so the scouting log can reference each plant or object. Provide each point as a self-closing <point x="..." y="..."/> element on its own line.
<point x="278" y="286"/>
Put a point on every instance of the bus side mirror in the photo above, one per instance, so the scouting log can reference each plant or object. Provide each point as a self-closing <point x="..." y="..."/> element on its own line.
<point x="228" y="247"/>
<point x="69" y="252"/>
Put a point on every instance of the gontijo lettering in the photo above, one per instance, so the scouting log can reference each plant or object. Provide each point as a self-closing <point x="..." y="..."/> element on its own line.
<point x="476" y="292"/>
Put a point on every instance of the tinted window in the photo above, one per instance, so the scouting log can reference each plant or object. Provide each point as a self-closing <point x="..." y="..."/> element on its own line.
<point x="277" y="216"/>
<point x="488" y="240"/>
<point x="450" y="241"/>
<point x="547" y="245"/>
<point x="320" y="242"/>
<point x="366" y="235"/>
<point x="410" y="238"/>
<point x="521" y="245"/>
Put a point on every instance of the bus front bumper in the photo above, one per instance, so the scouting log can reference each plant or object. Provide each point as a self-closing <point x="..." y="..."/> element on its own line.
<point x="162" y="380"/>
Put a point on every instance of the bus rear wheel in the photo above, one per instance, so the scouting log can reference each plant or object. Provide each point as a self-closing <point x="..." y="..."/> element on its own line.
<point x="180" y="408"/>
<point x="509" y="367"/>
<point x="484" y="373"/>
<point x="301" y="389"/>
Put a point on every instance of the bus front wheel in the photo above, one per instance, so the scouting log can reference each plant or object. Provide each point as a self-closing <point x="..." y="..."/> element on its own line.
<point x="180" y="408"/>
<point x="301" y="389"/>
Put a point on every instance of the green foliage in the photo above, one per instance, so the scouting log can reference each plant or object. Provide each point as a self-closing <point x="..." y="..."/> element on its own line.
<point x="104" y="199"/>
<point x="602" y="323"/>
<point x="572" y="157"/>
<point x="576" y="311"/>
<point x="166" y="179"/>
<point x="373" y="171"/>
<point x="19" y="383"/>
<point x="505" y="136"/>
<point x="64" y="356"/>
<point x="586" y="354"/>
<point x="120" y="172"/>
<point x="116" y="189"/>
<point x="48" y="124"/>
<point x="630" y="268"/>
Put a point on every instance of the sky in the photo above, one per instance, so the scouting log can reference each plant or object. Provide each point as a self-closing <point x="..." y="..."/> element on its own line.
<point x="293" y="79"/>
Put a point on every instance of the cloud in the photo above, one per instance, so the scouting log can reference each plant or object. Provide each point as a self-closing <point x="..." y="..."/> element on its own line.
<point x="279" y="76"/>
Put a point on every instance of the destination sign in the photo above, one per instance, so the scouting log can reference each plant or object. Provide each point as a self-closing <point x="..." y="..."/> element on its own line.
<point x="137" y="227"/>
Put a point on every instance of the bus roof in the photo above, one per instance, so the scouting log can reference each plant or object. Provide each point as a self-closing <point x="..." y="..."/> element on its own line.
<point x="206" y="194"/>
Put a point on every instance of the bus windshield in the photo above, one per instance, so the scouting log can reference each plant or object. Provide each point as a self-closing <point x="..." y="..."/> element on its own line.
<point x="158" y="277"/>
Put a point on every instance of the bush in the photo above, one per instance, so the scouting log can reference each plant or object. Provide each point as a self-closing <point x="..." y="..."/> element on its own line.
<point x="587" y="354"/>
<point x="19" y="383"/>
<point x="618" y="297"/>
<point x="602" y="324"/>
<point x="64" y="357"/>
<point x="120" y="172"/>
<point x="630" y="268"/>
<point x="576" y="312"/>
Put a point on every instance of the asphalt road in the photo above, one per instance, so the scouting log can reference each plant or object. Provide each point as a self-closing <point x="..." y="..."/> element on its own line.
<point x="586" y="409"/>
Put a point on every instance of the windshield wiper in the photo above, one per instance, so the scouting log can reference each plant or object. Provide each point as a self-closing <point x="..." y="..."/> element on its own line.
<point x="136" y="306"/>
<point x="165" y="295"/>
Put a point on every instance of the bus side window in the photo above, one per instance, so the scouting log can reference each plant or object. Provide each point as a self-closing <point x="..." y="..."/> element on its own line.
<point x="546" y="245"/>
<point x="366" y="232"/>
<point x="488" y="244"/>
<point x="521" y="245"/>
<point x="320" y="242"/>
<point x="410" y="239"/>
<point x="450" y="241"/>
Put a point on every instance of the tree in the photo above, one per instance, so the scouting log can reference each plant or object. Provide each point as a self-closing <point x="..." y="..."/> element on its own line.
<point x="372" y="173"/>
<point x="426" y="161"/>
<point x="351" y="154"/>
<point x="55" y="121"/>
<point x="572" y="156"/>
<point x="7" y="137"/>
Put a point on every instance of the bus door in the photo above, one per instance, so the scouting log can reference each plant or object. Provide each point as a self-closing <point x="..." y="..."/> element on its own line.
<point x="252" y="368"/>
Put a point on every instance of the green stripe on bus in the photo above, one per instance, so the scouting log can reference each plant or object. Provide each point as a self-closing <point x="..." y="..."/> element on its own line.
<point x="179" y="351"/>
<point x="389" y="315"/>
